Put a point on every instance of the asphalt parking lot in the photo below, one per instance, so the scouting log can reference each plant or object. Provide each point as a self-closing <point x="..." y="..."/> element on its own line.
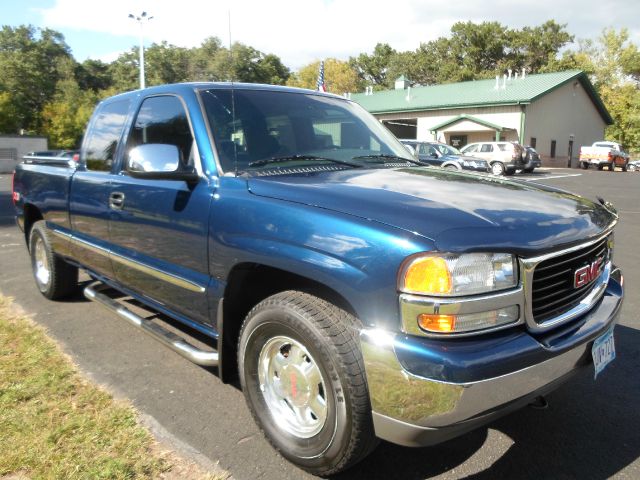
<point x="590" y="430"/>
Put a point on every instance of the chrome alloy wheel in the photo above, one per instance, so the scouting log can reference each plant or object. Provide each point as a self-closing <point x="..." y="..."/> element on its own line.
<point x="42" y="270"/>
<point x="293" y="388"/>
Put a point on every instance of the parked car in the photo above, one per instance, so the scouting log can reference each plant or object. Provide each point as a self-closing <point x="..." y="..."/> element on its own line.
<point x="633" y="166"/>
<point x="503" y="157"/>
<point x="350" y="292"/>
<point x="445" y="156"/>
<point x="531" y="159"/>
<point x="601" y="154"/>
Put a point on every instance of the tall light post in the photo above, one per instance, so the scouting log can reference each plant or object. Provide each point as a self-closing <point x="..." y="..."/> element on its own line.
<point x="141" y="19"/>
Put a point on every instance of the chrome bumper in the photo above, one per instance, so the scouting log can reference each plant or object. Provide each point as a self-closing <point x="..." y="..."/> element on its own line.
<point x="413" y="410"/>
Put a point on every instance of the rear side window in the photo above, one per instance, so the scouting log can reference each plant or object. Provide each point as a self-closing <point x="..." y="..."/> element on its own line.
<point x="487" y="147"/>
<point x="104" y="135"/>
<point x="163" y="120"/>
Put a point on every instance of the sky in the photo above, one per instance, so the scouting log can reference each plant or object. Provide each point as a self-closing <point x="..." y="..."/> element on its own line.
<point x="301" y="31"/>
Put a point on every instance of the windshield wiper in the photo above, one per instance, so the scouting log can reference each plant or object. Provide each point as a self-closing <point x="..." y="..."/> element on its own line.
<point x="289" y="158"/>
<point x="384" y="156"/>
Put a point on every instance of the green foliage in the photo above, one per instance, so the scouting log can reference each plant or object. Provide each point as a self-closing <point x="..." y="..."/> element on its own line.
<point x="339" y="77"/>
<point x="472" y="51"/>
<point x="29" y="59"/>
<point x="44" y="90"/>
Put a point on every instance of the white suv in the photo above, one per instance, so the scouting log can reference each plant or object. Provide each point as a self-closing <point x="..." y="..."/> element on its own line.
<point x="504" y="157"/>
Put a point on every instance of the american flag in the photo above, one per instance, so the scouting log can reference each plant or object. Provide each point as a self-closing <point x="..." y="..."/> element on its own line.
<point x="320" y="84"/>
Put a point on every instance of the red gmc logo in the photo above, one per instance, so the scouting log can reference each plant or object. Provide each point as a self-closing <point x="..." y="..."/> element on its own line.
<point x="586" y="274"/>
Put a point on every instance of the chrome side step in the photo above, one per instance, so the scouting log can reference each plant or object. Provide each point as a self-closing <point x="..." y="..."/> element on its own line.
<point x="170" y="339"/>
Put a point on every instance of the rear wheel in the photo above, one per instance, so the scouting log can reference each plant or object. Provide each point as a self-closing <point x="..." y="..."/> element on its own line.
<point x="54" y="277"/>
<point x="584" y="165"/>
<point x="528" y="170"/>
<point x="303" y="377"/>
<point x="497" y="168"/>
<point x="624" y="167"/>
<point x="612" y="167"/>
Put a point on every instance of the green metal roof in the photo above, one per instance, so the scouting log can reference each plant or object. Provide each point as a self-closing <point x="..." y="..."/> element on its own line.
<point x="471" y="118"/>
<point x="477" y="93"/>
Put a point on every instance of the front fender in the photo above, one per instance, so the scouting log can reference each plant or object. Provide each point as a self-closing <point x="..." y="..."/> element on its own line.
<point x="355" y="257"/>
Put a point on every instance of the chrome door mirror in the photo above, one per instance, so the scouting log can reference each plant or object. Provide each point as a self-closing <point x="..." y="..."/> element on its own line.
<point x="153" y="157"/>
<point x="158" y="161"/>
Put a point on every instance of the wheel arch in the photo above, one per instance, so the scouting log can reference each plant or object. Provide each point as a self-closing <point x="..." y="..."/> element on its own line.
<point x="247" y="285"/>
<point x="31" y="215"/>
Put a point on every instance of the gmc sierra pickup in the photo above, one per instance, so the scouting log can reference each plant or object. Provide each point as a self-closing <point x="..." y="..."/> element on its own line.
<point x="355" y="293"/>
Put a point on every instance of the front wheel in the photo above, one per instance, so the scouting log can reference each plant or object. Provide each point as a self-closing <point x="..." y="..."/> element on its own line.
<point x="54" y="277"/>
<point x="497" y="168"/>
<point x="584" y="165"/>
<point x="303" y="377"/>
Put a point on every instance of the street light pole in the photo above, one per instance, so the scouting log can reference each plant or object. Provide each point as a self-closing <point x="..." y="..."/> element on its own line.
<point x="140" y="19"/>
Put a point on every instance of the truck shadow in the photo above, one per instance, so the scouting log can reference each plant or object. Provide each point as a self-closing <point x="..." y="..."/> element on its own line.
<point x="6" y="209"/>
<point x="590" y="430"/>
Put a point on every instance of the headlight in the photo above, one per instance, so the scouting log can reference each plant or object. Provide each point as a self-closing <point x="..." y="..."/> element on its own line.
<point x="458" y="274"/>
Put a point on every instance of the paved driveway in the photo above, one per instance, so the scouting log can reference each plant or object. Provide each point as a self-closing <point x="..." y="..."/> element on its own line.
<point x="590" y="430"/>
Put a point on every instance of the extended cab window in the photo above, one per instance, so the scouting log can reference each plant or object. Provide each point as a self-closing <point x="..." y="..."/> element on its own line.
<point x="164" y="120"/>
<point x="104" y="135"/>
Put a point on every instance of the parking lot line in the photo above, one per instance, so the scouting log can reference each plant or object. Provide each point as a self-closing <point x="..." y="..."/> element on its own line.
<point x="551" y="177"/>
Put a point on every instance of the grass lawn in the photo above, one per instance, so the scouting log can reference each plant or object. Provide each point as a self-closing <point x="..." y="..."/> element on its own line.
<point x="56" y="424"/>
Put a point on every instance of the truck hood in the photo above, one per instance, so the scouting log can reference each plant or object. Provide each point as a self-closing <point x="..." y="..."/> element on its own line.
<point x="457" y="211"/>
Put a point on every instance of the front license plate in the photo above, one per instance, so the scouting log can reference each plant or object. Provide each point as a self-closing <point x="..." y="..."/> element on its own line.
<point x="603" y="352"/>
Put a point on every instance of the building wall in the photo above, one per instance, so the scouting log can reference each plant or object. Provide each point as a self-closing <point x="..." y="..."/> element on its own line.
<point x="566" y="111"/>
<point x="14" y="147"/>
<point x="506" y="116"/>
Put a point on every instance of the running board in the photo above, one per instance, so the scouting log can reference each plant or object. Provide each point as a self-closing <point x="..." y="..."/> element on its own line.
<point x="170" y="339"/>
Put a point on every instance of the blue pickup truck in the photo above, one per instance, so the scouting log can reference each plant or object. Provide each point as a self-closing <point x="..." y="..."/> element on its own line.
<point x="356" y="294"/>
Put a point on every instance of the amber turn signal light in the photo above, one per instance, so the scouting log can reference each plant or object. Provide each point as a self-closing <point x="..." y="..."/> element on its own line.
<point x="428" y="275"/>
<point x="437" y="323"/>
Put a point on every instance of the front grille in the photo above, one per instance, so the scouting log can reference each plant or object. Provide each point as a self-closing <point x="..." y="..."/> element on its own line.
<point x="553" y="291"/>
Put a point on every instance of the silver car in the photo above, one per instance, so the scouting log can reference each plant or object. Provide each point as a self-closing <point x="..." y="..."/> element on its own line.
<point x="504" y="157"/>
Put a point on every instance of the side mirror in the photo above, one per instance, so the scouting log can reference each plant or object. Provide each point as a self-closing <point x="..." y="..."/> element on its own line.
<point x="158" y="161"/>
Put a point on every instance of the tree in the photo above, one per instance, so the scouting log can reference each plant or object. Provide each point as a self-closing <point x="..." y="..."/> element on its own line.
<point x="339" y="76"/>
<point x="246" y="64"/>
<point x="372" y="69"/>
<point x="93" y="75"/>
<point x="64" y="117"/>
<point x="29" y="59"/>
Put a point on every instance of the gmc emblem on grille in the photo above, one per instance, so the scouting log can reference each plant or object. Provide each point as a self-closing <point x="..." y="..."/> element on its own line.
<point x="586" y="274"/>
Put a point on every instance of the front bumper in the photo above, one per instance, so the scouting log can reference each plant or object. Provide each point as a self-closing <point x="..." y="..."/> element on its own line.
<point x="425" y="391"/>
<point x="478" y="167"/>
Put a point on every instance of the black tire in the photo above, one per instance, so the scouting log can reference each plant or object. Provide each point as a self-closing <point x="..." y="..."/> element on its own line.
<point x="584" y="165"/>
<point x="326" y="337"/>
<point x="624" y="167"/>
<point x="510" y="171"/>
<point x="497" y="168"/>
<point x="528" y="170"/>
<point x="612" y="167"/>
<point x="54" y="277"/>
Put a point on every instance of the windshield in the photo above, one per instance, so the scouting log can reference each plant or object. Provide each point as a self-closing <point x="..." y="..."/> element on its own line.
<point x="447" y="149"/>
<point x="269" y="129"/>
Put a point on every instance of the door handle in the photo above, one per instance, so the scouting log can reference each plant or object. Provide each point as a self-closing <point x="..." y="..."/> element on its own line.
<point x="116" y="200"/>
